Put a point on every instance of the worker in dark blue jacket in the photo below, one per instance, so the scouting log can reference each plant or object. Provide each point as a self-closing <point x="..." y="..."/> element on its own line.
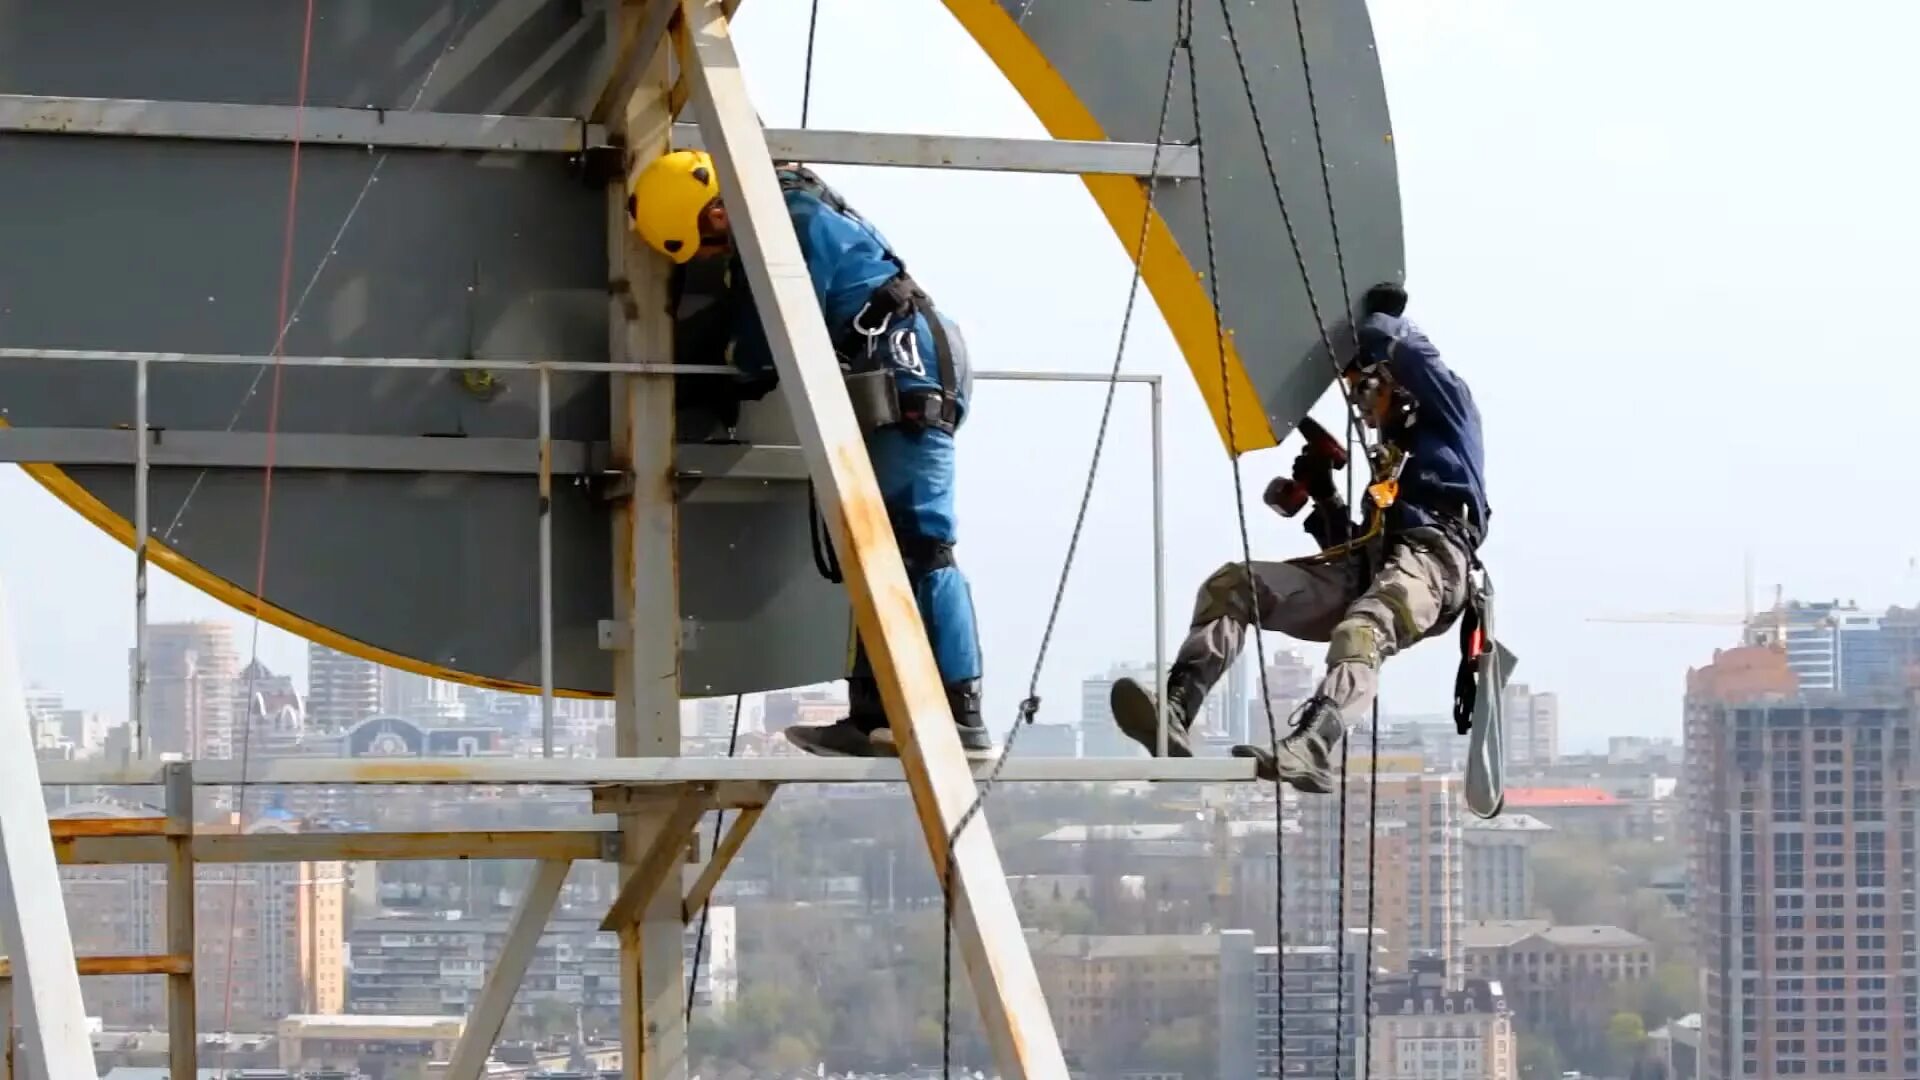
<point x="1372" y="591"/>
<point x="908" y="380"/>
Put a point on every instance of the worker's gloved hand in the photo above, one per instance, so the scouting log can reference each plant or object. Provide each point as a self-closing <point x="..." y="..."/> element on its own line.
<point x="1315" y="473"/>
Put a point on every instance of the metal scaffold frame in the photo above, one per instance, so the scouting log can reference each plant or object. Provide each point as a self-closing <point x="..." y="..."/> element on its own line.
<point x="665" y="54"/>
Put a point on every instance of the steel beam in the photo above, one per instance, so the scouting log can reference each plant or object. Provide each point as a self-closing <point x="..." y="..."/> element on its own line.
<point x="586" y="772"/>
<point x="972" y="153"/>
<point x="523" y="935"/>
<point x="291" y="450"/>
<point x="394" y="129"/>
<point x="319" y="125"/>
<point x="33" y="915"/>
<point x="1012" y="1008"/>
<point x="646" y="601"/>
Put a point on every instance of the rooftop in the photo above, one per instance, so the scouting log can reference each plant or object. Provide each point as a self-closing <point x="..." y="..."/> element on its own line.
<point x="1504" y="933"/>
<point x="1549" y="797"/>
<point x="1507" y="823"/>
<point x="1124" y="946"/>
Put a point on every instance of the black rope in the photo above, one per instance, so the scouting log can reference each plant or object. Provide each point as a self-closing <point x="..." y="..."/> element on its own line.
<point x="1355" y="436"/>
<point x="806" y="88"/>
<point x="719" y="830"/>
<point x="1030" y="705"/>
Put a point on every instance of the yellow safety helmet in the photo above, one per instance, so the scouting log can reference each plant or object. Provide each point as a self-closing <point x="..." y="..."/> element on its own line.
<point x="667" y="199"/>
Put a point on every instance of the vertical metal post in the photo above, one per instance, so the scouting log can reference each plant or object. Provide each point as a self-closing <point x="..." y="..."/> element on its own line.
<point x="546" y="563"/>
<point x="1159" y="570"/>
<point x="646" y="573"/>
<point x="182" y="1016"/>
<point x="137" y="746"/>
<point x="6" y="1028"/>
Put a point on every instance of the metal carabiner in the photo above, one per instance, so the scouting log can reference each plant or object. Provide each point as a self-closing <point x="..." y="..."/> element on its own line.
<point x="870" y="335"/>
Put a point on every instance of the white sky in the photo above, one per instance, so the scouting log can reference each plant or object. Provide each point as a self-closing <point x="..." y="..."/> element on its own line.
<point x="1669" y="246"/>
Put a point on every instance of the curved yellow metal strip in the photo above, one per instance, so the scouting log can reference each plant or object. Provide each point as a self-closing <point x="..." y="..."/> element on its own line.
<point x="1175" y="285"/>
<point x="63" y="487"/>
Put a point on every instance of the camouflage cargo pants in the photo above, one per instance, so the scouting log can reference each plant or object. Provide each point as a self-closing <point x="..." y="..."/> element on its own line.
<point x="1418" y="591"/>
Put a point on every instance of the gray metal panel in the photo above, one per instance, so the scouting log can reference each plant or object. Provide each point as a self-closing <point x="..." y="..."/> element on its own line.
<point x="113" y="243"/>
<point x="1114" y="55"/>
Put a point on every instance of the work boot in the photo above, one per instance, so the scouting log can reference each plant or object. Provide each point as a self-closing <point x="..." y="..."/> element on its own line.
<point x="851" y="735"/>
<point x="1134" y="710"/>
<point x="1305" y="757"/>
<point x="964" y="699"/>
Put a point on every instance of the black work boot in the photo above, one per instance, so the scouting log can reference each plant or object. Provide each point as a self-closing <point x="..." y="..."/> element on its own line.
<point x="964" y="699"/>
<point x="1133" y="709"/>
<point x="851" y="735"/>
<point x="1305" y="757"/>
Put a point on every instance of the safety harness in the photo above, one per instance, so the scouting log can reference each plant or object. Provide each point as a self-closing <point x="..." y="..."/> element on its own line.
<point x="877" y="398"/>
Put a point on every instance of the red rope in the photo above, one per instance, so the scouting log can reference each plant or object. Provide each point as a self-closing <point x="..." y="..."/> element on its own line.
<point x="280" y="330"/>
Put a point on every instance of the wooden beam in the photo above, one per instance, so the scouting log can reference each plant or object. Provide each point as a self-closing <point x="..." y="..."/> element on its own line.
<point x="716" y="866"/>
<point x="69" y="828"/>
<point x="1012" y="1007"/>
<point x="641" y="32"/>
<point x="646" y="601"/>
<point x="33" y="913"/>
<point x="348" y="846"/>
<point x="183" y="1017"/>
<point x="665" y="853"/>
<point x="120" y="965"/>
<point x="523" y="935"/>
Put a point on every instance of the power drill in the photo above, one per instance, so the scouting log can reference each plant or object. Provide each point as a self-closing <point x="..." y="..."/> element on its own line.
<point x="1289" y="496"/>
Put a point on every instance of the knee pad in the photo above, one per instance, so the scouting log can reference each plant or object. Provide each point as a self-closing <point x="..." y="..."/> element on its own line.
<point x="1354" y="640"/>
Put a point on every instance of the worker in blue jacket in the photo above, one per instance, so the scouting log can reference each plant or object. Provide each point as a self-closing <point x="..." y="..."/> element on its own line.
<point x="1370" y="592"/>
<point x="908" y="380"/>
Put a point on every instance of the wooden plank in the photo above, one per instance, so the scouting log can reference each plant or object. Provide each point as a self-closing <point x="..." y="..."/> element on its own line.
<point x="1012" y="1007"/>
<point x="119" y="965"/>
<point x="523" y="934"/>
<point x="348" y="846"/>
<point x="33" y="913"/>
<point x="69" y="828"/>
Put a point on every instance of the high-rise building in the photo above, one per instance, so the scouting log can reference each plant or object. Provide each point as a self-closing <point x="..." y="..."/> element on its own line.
<point x="342" y="690"/>
<point x="1290" y="681"/>
<point x="1498" y="860"/>
<point x="1531" y="727"/>
<point x="1403" y="867"/>
<point x="192" y="669"/>
<point x="1326" y="1014"/>
<point x="421" y="699"/>
<point x="1424" y="1031"/>
<point x="1802" y="845"/>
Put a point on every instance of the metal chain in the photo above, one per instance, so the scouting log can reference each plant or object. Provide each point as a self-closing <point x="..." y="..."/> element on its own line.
<point x="1030" y="705"/>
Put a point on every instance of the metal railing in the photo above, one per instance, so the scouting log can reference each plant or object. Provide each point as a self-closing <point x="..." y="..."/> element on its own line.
<point x="143" y="452"/>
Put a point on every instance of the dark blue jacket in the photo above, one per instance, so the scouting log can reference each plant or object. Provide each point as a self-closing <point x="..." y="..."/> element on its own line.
<point x="847" y="259"/>
<point x="1446" y="466"/>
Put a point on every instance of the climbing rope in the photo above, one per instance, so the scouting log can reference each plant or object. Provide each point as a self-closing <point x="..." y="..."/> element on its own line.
<point x="719" y="830"/>
<point x="806" y="86"/>
<point x="283" y="304"/>
<point x="1355" y="437"/>
<point x="1030" y="705"/>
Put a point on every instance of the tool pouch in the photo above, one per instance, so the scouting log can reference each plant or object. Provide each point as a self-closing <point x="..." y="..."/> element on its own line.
<point x="875" y="399"/>
<point x="1479" y="687"/>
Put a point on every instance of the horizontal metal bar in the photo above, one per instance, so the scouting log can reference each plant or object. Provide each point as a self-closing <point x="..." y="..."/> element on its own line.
<point x="326" y="125"/>
<point x="291" y="450"/>
<point x="681" y="770"/>
<point x="421" y="363"/>
<point x="968" y="152"/>
<point x="317" y="124"/>
<point x="434" y="363"/>
<point x="120" y="965"/>
<point x="328" y="846"/>
<point x="722" y="461"/>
